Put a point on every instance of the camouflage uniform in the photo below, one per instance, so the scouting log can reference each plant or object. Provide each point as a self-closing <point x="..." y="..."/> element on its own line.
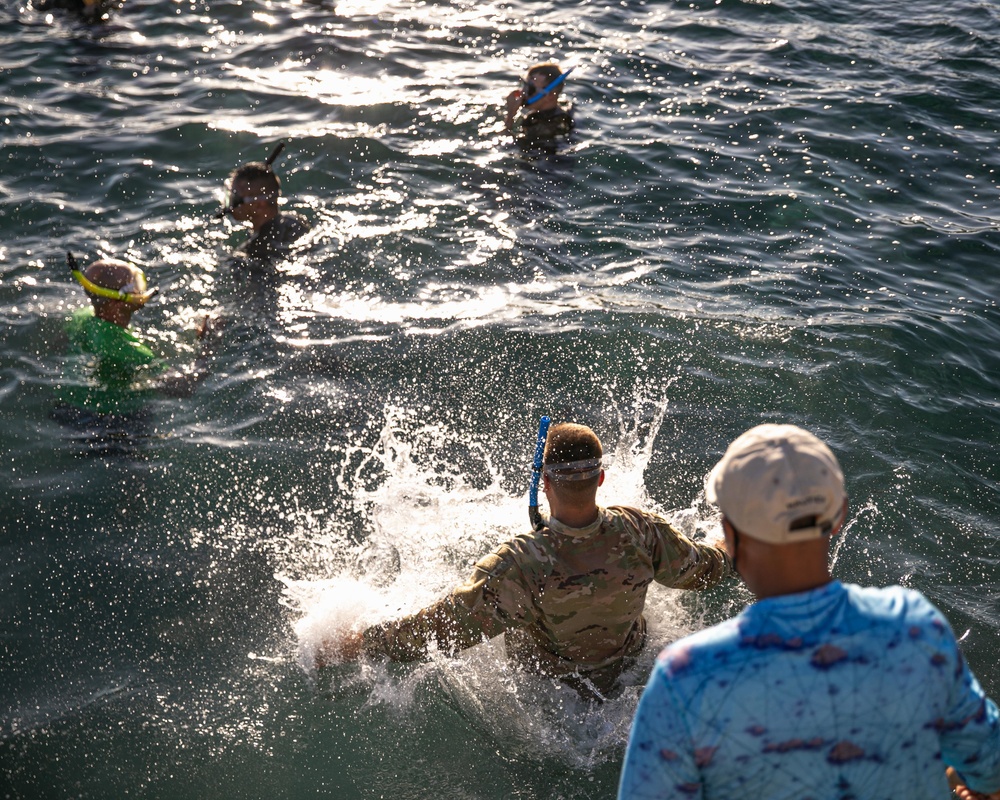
<point x="570" y="600"/>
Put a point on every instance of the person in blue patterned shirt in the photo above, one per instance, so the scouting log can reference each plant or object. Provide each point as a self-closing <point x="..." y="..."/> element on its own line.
<point x="819" y="689"/>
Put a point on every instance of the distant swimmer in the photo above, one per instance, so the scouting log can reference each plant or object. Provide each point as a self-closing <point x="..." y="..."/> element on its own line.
<point x="92" y="12"/>
<point x="818" y="689"/>
<point x="534" y="115"/>
<point x="253" y="193"/>
<point x="569" y="596"/>
<point x="110" y="372"/>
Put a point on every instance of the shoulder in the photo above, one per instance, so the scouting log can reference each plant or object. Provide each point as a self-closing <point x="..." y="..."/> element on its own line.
<point x="896" y="602"/>
<point x="525" y="555"/>
<point x="631" y="512"/>
<point x="528" y="547"/>
<point x="558" y="114"/>
<point x="291" y="225"/>
<point x="79" y="320"/>
<point x="274" y="237"/>
<point x="81" y="315"/>
<point x="549" y="122"/>
<point x="701" y="652"/>
<point x="293" y="220"/>
<point x="647" y="523"/>
<point x="900" y="607"/>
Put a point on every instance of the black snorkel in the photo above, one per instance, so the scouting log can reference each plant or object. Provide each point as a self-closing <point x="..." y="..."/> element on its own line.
<point x="275" y="153"/>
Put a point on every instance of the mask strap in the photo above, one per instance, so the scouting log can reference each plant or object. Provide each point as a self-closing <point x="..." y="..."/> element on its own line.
<point x="90" y="287"/>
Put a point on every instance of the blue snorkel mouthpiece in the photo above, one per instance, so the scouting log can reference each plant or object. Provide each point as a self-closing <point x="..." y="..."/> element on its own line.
<point x="551" y="87"/>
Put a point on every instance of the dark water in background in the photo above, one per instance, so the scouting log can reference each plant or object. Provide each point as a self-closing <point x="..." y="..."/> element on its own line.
<point x="771" y="212"/>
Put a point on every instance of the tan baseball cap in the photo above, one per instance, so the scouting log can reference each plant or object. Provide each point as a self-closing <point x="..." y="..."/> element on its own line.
<point x="779" y="484"/>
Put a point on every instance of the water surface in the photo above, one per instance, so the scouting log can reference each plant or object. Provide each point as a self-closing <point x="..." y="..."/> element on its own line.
<point x="775" y="211"/>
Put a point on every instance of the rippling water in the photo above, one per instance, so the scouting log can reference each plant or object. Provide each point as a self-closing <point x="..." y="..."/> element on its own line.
<point x="769" y="211"/>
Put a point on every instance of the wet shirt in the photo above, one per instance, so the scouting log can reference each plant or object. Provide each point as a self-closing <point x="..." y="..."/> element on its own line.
<point x="275" y="238"/>
<point x="569" y="599"/>
<point x="543" y="126"/>
<point x="840" y="692"/>
<point x="107" y="367"/>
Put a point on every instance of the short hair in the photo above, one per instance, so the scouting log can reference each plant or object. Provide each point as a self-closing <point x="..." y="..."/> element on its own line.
<point x="549" y="69"/>
<point x="112" y="273"/>
<point x="257" y="173"/>
<point x="568" y="442"/>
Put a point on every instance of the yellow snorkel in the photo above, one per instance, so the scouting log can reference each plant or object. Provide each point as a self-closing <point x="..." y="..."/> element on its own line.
<point x="134" y="293"/>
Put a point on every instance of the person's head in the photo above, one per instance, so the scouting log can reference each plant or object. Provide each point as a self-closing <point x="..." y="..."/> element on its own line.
<point x="94" y="11"/>
<point x="91" y="12"/>
<point x="537" y="78"/>
<point x="781" y="493"/>
<point x="116" y="289"/>
<point x="571" y="464"/>
<point x="253" y="191"/>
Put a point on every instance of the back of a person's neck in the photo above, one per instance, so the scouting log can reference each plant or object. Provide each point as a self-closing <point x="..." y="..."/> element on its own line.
<point x="573" y="517"/>
<point x="776" y="589"/>
<point x="118" y="317"/>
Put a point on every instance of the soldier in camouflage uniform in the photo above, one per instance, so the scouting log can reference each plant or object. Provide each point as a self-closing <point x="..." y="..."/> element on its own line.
<point x="568" y="597"/>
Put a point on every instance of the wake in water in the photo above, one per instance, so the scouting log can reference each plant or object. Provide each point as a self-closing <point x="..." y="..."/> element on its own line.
<point x="434" y="502"/>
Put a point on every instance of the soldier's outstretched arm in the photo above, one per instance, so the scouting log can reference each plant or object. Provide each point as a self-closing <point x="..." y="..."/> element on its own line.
<point x="682" y="563"/>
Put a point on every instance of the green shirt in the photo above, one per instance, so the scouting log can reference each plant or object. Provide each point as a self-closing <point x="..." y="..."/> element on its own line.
<point x="570" y="600"/>
<point x="107" y="368"/>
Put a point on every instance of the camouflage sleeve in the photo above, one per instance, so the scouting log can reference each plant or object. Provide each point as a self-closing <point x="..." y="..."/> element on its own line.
<point x="494" y="598"/>
<point x="682" y="563"/>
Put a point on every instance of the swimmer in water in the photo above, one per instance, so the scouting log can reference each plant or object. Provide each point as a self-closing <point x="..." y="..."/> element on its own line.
<point x="253" y="193"/>
<point x="568" y="597"/>
<point x="111" y="373"/>
<point x="535" y="107"/>
<point x="92" y="12"/>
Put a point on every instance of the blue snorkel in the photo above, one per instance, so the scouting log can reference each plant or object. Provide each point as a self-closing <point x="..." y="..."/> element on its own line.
<point x="554" y="85"/>
<point x="536" y="473"/>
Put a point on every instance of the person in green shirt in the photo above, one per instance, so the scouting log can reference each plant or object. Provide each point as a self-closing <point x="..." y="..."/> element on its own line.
<point x="110" y="373"/>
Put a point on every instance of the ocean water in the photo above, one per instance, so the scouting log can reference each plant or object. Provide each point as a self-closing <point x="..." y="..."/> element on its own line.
<point x="770" y="211"/>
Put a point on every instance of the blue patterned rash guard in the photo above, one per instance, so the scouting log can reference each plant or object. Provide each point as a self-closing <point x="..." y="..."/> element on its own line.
<point x="839" y="692"/>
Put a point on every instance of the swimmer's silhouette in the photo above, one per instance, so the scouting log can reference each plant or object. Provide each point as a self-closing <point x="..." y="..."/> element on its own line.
<point x="252" y="196"/>
<point x="92" y="12"/>
<point x="534" y="116"/>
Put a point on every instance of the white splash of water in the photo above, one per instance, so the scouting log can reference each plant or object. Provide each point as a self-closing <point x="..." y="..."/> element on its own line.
<point x="435" y="502"/>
